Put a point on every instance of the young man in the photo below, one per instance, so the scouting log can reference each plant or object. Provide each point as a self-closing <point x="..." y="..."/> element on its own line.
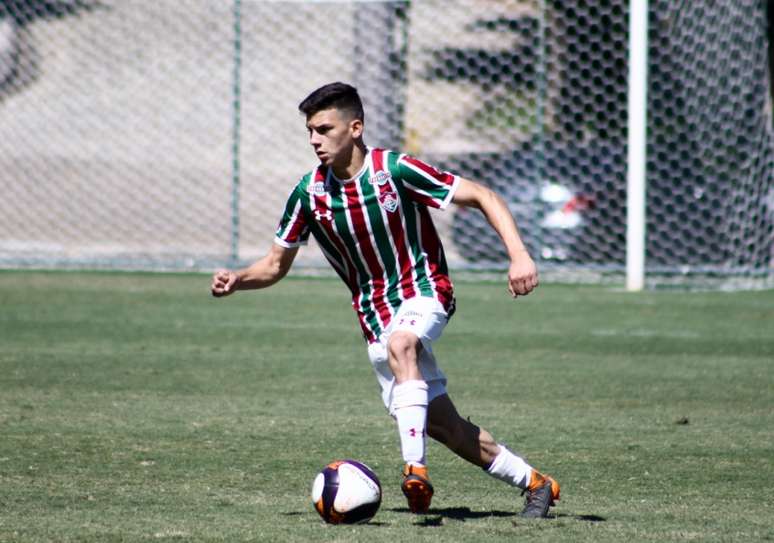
<point x="368" y="210"/>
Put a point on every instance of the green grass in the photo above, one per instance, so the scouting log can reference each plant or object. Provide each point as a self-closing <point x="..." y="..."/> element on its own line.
<point x="135" y="407"/>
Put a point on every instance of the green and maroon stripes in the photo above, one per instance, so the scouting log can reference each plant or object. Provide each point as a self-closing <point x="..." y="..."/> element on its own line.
<point x="430" y="186"/>
<point x="397" y="231"/>
<point x="292" y="230"/>
<point x="421" y="279"/>
<point x="435" y="259"/>
<point x="376" y="232"/>
<point x="321" y="228"/>
<point x="328" y="208"/>
<point x="357" y="208"/>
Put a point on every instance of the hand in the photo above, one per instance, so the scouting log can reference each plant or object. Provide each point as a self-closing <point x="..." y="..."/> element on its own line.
<point x="522" y="276"/>
<point x="223" y="283"/>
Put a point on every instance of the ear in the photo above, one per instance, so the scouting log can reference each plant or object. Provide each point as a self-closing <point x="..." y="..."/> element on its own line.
<point x="356" y="128"/>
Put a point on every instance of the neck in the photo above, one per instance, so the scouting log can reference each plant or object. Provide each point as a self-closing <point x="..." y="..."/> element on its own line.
<point x="351" y="164"/>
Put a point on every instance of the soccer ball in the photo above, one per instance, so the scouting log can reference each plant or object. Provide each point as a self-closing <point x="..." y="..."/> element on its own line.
<point x="346" y="492"/>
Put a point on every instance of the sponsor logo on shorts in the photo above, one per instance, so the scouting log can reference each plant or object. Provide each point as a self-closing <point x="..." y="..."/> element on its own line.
<point x="410" y="318"/>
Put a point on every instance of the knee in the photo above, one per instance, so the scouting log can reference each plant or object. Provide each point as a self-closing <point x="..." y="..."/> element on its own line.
<point x="403" y="349"/>
<point x="403" y="345"/>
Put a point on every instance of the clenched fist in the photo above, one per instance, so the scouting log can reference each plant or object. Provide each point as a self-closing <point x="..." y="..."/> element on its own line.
<point x="522" y="276"/>
<point x="223" y="283"/>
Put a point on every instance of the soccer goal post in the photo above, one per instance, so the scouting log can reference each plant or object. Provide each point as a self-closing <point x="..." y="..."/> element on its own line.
<point x="637" y="144"/>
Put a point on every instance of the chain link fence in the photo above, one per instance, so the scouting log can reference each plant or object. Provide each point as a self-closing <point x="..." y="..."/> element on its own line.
<point x="165" y="135"/>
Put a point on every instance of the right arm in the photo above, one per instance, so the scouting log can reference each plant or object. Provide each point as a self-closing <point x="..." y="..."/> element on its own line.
<point x="522" y="274"/>
<point x="263" y="273"/>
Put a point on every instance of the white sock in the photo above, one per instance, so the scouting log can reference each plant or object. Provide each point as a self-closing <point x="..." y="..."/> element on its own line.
<point x="510" y="468"/>
<point x="409" y="400"/>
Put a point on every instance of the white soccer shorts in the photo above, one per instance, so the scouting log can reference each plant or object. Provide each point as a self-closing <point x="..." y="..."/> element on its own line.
<point x="426" y="318"/>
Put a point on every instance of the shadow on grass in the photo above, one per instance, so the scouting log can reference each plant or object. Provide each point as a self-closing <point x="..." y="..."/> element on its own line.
<point x="304" y="513"/>
<point x="434" y="516"/>
<point x="585" y="518"/>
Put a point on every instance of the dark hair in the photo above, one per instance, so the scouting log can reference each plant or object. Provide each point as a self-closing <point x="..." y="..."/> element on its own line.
<point x="334" y="95"/>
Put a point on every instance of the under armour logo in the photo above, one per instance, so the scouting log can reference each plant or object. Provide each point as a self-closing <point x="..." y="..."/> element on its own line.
<point x="320" y="215"/>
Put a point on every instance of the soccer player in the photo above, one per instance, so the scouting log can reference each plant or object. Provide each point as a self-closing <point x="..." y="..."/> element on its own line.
<point x="368" y="210"/>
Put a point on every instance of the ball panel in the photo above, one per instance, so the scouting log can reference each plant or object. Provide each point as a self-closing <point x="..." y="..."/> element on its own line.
<point x="364" y="513"/>
<point x="317" y="487"/>
<point x="330" y="490"/>
<point x="346" y="492"/>
<point x="356" y="488"/>
<point x="367" y="471"/>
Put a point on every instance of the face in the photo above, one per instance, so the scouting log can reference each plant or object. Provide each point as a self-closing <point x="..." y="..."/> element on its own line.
<point x="333" y="136"/>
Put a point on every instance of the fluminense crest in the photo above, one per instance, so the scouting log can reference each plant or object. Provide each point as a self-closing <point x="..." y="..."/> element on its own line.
<point x="389" y="201"/>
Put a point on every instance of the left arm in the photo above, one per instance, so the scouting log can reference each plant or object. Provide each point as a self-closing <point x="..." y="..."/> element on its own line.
<point x="522" y="274"/>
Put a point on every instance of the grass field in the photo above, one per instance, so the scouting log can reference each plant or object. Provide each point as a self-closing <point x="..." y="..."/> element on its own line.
<point x="135" y="407"/>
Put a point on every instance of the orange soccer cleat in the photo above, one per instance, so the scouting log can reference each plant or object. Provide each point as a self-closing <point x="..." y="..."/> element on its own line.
<point x="417" y="488"/>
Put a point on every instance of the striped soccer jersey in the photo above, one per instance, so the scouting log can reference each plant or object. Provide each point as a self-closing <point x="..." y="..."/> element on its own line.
<point x="376" y="232"/>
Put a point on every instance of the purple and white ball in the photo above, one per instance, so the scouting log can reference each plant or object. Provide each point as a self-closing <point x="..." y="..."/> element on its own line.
<point x="346" y="492"/>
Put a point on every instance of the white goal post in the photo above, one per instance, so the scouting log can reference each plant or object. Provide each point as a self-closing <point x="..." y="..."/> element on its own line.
<point x="637" y="144"/>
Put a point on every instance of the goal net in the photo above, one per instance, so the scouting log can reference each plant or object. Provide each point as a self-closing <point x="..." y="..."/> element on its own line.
<point x="165" y="135"/>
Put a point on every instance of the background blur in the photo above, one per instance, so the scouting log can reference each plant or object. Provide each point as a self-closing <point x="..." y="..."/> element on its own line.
<point x="165" y="135"/>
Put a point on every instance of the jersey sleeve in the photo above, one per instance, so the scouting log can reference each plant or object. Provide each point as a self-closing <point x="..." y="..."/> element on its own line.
<point x="292" y="230"/>
<point x="426" y="184"/>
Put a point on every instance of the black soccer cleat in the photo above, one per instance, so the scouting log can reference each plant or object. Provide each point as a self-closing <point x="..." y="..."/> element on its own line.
<point x="542" y="492"/>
